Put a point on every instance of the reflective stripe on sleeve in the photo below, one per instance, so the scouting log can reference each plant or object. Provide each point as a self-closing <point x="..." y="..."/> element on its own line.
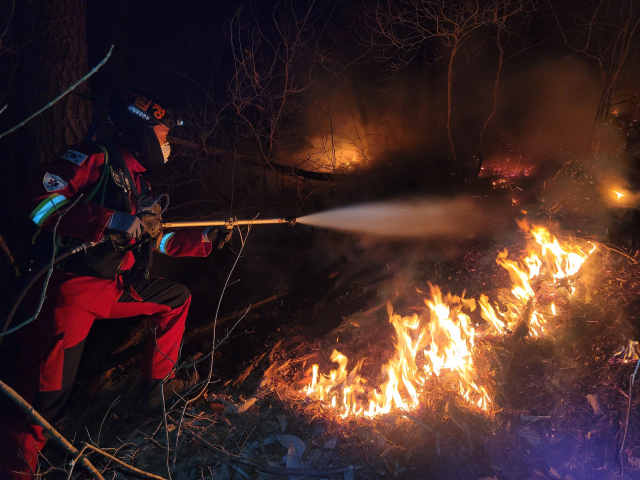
<point x="49" y="205"/>
<point x="163" y="242"/>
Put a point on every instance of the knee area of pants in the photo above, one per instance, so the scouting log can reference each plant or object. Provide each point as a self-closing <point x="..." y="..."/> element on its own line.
<point x="182" y="295"/>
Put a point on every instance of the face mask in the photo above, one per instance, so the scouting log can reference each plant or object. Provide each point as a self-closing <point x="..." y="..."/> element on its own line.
<point x="166" y="151"/>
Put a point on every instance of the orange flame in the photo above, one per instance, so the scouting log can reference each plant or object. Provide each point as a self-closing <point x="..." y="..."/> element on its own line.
<point x="442" y="341"/>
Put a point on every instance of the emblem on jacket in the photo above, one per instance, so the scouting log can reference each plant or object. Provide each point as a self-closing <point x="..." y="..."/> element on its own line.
<point x="53" y="183"/>
<point x="74" y="157"/>
<point x="120" y="179"/>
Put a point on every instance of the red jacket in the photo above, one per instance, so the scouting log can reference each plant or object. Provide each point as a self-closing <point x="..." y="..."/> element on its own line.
<point x="79" y="170"/>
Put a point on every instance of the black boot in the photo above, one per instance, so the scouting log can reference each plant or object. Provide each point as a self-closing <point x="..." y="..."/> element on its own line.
<point x="174" y="388"/>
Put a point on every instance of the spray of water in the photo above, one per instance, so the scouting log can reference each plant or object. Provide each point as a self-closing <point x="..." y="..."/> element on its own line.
<point x="410" y="219"/>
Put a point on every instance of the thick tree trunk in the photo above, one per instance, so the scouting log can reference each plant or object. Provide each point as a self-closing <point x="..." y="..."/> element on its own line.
<point x="52" y="55"/>
<point x="56" y="61"/>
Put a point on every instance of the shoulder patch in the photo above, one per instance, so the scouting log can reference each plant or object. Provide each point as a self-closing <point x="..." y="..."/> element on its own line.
<point x="53" y="183"/>
<point x="74" y="157"/>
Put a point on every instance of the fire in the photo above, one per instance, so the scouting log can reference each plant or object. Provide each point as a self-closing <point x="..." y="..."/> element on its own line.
<point x="546" y="257"/>
<point x="452" y="343"/>
<point x="561" y="259"/>
<point x="627" y="353"/>
<point x="441" y="342"/>
<point x="620" y="195"/>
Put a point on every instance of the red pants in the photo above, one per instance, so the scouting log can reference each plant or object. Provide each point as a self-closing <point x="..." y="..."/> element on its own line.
<point x="52" y="346"/>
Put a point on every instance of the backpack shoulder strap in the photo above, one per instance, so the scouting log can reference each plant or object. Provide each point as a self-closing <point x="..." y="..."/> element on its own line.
<point x="103" y="177"/>
<point x="120" y="161"/>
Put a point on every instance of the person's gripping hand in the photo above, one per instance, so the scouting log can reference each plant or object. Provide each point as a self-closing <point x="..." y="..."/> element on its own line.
<point x="219" y="236"/>
<point x="127" y="226"/>
<point x="152" y="224"/>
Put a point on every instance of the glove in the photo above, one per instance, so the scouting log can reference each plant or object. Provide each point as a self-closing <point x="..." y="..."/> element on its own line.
<point x="127" y="226"/>
<point x="151" y="223"/>
<point x="220" y="236"/>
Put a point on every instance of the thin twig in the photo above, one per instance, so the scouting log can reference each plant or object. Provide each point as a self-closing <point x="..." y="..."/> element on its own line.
<point x="164" y="405"/>
<point x="626" y="427"/>
<point x="49" y="273"/>
<point x="215" y="320"/>
<point x="166" y="430"/>
<point x="121" y="463"/>
<point x="618" y="251"/>
<point x="59" y="97"/>
<point x="34" y="415"/>
<point x="213" y="349"/>
<point x="175" y="449"/>
<point x="74" y="461"/>
<point x="104" y="418"/>
<point x="7" y="252"/>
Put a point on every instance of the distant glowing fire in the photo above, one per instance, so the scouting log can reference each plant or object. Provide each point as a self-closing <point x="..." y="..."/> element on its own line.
<point x="442" y="341"/>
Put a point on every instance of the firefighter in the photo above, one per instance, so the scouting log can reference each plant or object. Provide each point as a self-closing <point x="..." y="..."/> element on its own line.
<point x="113" y="205"/>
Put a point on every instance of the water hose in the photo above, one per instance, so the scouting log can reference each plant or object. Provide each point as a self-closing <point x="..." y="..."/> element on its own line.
<point x="34" y="277"/>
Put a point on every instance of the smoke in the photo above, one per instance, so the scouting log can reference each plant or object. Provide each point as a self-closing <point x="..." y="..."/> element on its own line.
<point x="392" y="134"/>
<point x="546" y="108"/>
<point x="545" y="114"/>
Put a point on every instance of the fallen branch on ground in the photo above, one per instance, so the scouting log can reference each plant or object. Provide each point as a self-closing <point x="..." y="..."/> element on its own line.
<point x="230" y="407"/>
<point x="121" y="463"/>
<point x="63" y="442"/>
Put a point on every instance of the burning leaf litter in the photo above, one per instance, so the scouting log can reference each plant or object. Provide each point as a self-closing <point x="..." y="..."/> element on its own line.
<point x="626" y="353"/>
<point x="443" y="341"/>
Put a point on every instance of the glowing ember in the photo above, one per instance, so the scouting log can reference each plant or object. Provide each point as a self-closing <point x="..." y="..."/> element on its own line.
<point x="620" y="195"/>
<point x="626" y="354"/>
<point x="441" y="341"/>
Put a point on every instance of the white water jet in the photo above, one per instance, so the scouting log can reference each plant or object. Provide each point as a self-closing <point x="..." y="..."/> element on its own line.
<point x="459" y="217"/>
